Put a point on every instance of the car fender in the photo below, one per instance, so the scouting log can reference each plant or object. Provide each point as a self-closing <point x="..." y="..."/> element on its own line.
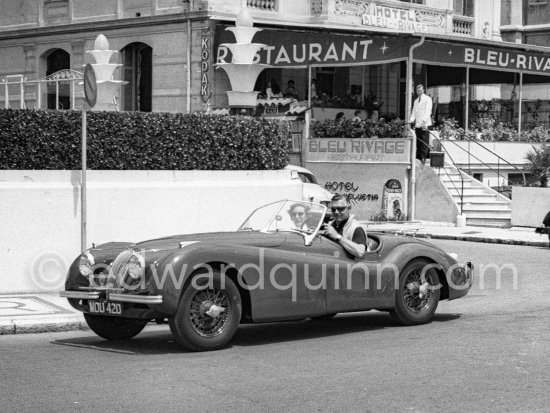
<point x="170" y="275"/>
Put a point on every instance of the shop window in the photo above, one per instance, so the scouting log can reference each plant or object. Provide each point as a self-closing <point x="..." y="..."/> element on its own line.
<point x="464" y="7"/>
<point x="58" y="60"/>
<point x="137" y="70"/>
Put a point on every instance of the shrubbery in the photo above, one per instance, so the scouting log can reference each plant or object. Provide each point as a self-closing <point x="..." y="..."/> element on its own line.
<point x="489" y="130"/>
<point x="357" y="129"/>
<point x="32" y="139"/>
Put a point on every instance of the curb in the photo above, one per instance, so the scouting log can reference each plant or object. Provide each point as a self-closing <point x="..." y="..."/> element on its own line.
<point x="47" y="326"/>
<point x="472" y="238"/>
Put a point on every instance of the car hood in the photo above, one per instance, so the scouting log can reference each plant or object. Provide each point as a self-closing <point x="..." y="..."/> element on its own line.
<point x="257" y="239"/>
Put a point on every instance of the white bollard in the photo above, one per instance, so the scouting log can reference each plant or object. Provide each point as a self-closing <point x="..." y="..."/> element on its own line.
<point x="461" y="221"/>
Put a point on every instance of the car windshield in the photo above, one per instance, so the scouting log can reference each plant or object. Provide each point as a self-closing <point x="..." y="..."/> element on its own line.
<point x="286" y="215"/>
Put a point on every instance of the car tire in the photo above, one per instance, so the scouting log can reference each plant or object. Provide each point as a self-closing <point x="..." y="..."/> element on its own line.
<point x="114" y="328"/>
<point x="324" y="317"/>
<point x="412" y="307"/>
<point x="196" y="330"/>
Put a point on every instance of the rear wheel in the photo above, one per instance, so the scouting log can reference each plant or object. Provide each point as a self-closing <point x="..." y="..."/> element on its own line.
<point x="208" y="314"/>
<point x="417" y="297"/>
<point x="114" y="328"/>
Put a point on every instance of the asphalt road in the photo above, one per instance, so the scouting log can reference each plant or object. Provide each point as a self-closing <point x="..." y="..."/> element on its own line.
<point x="487" y="352"/>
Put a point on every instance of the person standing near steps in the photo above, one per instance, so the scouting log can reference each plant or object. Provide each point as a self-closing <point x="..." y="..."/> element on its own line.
<point x="420" y="119"/>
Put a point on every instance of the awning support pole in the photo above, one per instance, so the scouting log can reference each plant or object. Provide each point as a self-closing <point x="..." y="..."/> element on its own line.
<point x="412" y="186"/>
<point x="520" y="99"/>
<point x="467" y="99"/>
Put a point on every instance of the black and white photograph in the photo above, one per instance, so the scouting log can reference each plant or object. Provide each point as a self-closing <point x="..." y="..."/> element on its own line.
<point x="275" y="205"/>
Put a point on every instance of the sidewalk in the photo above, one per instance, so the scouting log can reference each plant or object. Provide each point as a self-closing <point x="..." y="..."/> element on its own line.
<point x="440" y="230"/>
<point x="37" y="313"/>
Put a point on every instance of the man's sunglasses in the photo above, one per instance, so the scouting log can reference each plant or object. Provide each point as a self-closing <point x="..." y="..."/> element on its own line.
<point x="339" y="209"/>
<point x="298" y="214"/>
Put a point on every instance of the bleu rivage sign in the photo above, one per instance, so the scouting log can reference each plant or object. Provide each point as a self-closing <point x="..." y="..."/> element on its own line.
<point x="358" y="150"/>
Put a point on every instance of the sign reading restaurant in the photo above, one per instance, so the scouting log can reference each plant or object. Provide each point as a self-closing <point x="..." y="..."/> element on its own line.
<point x="300" y="49"/>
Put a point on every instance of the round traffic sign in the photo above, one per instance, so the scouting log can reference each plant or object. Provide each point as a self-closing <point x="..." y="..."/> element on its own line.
<point x="90" y="85"/>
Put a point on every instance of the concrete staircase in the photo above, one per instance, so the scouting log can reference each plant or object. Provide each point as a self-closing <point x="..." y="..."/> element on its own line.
<point x="482" y="205"/>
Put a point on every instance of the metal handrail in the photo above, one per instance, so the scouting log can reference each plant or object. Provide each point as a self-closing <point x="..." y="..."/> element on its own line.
<point x="461" y="191"/>
<point x="483" y="163"/>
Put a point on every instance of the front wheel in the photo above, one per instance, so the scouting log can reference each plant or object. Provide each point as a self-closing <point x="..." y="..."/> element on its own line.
<point x="208" y="314"/>
<point x="114" y="328"/>
<point x="417" y="297"/>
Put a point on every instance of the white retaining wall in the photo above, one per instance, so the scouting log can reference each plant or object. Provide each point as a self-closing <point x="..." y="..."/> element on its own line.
<point x="529" y="205"/>
<point x="40" y="215"/>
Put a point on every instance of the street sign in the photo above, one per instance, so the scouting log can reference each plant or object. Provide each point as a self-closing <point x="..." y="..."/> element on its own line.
<point x="90" y="85"/>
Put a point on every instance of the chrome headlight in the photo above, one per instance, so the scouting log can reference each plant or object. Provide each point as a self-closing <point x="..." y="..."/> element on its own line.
<point x="135" y="268"/>
<point x="130" y="269"/>
<point x="86" y="264"/>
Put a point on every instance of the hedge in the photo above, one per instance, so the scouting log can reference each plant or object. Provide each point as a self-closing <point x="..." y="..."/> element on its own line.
<point x="358" y="129"/>
<point x="31" y="139"/>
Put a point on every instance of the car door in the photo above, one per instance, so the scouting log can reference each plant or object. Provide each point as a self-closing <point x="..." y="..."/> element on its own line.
<point x="353" y="284"/>
<point x="293" y="286"/>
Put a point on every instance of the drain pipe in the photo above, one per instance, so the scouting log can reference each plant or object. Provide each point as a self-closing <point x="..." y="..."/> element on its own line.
<point x="412" y="185"/>
<point x="189" y="46"/>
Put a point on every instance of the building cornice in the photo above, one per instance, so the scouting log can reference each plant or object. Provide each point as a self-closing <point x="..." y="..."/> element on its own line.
<point x="99" y="26"/>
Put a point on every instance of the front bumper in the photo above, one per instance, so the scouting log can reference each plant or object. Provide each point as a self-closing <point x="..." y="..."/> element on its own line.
<point x="112" y="296"/>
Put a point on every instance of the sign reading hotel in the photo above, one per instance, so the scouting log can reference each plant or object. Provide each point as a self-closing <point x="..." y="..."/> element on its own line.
<point x="393" y="19"/>
<point x="367" y="150"/>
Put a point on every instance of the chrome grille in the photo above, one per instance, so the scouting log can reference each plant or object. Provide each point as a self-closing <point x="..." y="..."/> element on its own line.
<point x="119" y="267"/>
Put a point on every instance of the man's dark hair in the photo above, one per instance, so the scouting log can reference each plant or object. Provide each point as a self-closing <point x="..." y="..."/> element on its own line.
<point x="339" y="197"/>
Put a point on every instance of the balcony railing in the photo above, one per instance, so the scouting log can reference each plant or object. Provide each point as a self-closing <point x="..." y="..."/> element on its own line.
<point x="262" y="5"/>
<point x="463" y="25"/>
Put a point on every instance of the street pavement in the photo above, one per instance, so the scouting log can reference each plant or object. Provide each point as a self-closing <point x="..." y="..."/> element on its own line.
<point x="37" y="313"/>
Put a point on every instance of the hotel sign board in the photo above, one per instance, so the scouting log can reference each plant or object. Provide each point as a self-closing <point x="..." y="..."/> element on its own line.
<point x="368" y="150"/>
<point x="398" y="19"/>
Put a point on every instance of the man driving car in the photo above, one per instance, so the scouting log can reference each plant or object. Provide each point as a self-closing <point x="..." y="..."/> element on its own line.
<point x="344" y="229"/>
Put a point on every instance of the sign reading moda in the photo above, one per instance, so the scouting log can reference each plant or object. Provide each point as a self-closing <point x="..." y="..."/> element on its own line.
<point x="358" y="150"/>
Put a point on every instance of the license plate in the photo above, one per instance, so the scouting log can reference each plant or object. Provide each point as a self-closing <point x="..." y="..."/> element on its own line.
<point x="104" y="307"/>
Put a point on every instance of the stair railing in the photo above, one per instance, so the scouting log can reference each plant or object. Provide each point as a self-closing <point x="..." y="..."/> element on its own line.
<point x="499" y="158"/>
<point x="459" y="192"/>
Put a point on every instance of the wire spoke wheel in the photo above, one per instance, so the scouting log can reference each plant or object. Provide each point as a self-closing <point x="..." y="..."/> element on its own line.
<point x="417" y="297"/>
<point x="202" y="303"/>
<point x="208" y="313"/>
<point x="418" y="292"/>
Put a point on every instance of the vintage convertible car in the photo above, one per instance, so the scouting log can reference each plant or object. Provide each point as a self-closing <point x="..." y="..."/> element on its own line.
<point x="268" y="270"/>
